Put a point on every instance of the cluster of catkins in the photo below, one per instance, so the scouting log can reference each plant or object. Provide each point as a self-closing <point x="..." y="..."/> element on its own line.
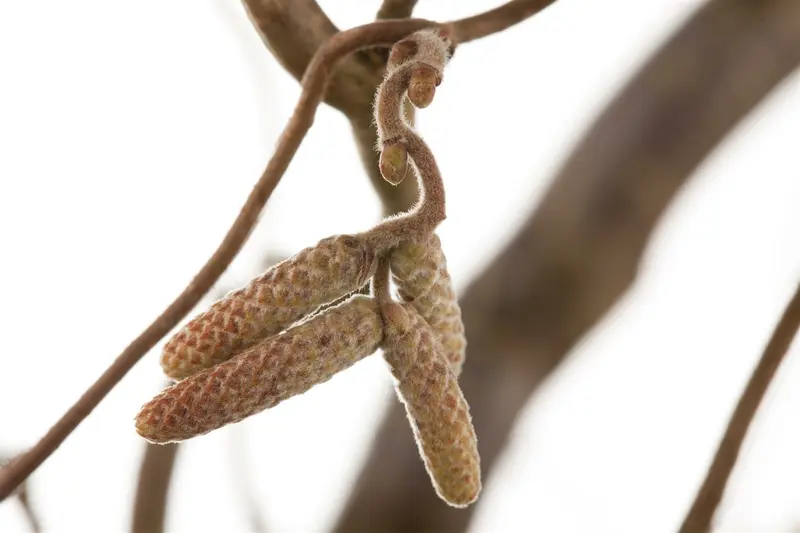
<point x="270" y="340"/>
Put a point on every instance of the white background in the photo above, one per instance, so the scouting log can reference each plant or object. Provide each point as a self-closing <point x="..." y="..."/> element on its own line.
<point x="130" y="134"/>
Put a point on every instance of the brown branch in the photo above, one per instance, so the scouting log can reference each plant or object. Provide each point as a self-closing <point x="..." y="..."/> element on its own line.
<point x="580" y="251"/>
<point x="314" y="82"/>
<point x="294" y="29"/>
<point x="155" y="473"/>
<point x="24" y="499"/>
<point x="396" y="9"/>
<point x="698" y="519"/>
<point x="496" y="20"/>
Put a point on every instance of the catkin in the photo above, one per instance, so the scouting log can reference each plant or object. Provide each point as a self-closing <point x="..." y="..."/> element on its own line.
<point x="270" y="303"/>
<point x="419" y="269"/>
<point x="436" y="408"/>
<point x="278" y="368"/>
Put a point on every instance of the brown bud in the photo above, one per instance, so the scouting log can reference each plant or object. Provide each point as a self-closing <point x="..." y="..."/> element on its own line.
<point x="419" y="270"/>
<point x="394" y="163"/>
<point x="422" y="87"/>
<point x="436" y="408"/>
<point x="283" y="295"/>
<point x="401" y="51"/>
<point x="266" y="374"/>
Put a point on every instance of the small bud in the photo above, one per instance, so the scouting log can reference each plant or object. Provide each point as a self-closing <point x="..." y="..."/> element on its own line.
<point x="419" y="270"/>
<point x="261" y="377"/>
<point x="436" y="408"/>
<point x="401" y="51"/>
<point x="394" y="163"/>
<point x="269" y="304"/>
<point x="422" y="87"/>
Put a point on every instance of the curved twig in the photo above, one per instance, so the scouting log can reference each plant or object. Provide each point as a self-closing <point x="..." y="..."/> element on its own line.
<point x="319" y="70"/>
<point x="698" y="519"/>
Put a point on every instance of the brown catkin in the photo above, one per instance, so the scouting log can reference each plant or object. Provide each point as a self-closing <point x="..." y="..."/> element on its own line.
<point x="270" y="303"/>
<point x="436" y="408"/>
<point x="277" y="368"/>
<point x="419" y="269"/>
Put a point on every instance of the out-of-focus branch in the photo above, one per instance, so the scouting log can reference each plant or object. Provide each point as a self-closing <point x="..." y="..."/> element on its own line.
<point x="294" y="29"/>
<point x="314" y="83"/>
<point x="241" y="471"/>
<point x="580" y="251"/>
<point x="155" y="473"/>
<point x="396" y="9"/>
<point x="496" y="20"/>
<point x="698" y="519"/>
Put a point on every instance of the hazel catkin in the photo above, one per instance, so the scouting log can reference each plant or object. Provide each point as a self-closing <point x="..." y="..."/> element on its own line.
<point x="285" y="293"/>
<point x="273" y="370"/>
<point x="436" y="408"/>
<point x="419" y="269"/>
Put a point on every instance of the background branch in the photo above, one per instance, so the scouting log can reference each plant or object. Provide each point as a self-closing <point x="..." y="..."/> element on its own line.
<point x="155" y="473"/>
<point x="396" y="9"/>
<point x="580" y="251"/>
<point x="698" y="519"/>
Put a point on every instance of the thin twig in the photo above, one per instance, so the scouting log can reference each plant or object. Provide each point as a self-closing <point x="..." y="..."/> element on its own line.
<point x="698" y="519"/>
<point x="319" y="70"/>
<point x="155" y="473"/>
<point x="581" y="249"/>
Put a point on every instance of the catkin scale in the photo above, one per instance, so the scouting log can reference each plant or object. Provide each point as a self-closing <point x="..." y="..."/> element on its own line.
<point x="436" y="408"/>
<point x="419" y="269"/>
<point x="256" y="379"/>
<point x="284" y="294"/>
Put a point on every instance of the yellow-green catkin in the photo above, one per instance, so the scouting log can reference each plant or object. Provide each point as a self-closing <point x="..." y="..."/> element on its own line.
<point x="269" y="304"/>
<point x="277" y="368"/>
<point x="419" y="269"/>
<point x="436" y="408"/>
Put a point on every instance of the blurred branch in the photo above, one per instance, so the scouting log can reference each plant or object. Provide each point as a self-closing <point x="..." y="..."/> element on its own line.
<point x="242" y="479"/>
<point x="698" y="519"/>
<point x="24" y="500"/>
<point x="580" y="250"/>
<point x="496" y="20"/>
<point x="294" y="29"/>
<point x="396" y="9"/>
<point x="314" y="82"/>
<point x="155" y="473"/>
